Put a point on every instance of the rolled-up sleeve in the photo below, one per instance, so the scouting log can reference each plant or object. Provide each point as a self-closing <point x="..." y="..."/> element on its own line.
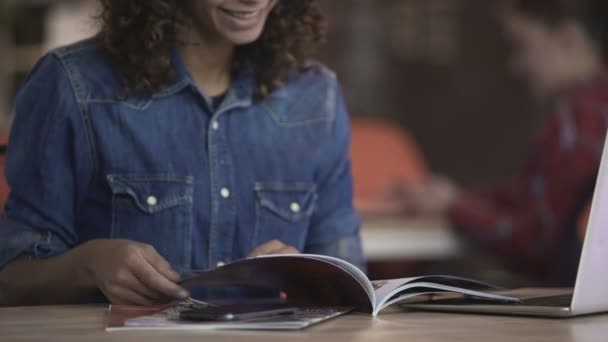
<point x="335" y="225"/>
<point x="22" y="241"/>
<point x="47" y="166"/>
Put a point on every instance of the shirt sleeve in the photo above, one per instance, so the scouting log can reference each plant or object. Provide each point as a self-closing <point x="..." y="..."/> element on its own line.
<point x="526" y="222"/>
<point x="335" y="225"/>
<point x="47" y="168"/>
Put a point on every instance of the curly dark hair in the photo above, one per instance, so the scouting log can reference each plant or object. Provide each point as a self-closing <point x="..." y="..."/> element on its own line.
<point x="138" y="35"/>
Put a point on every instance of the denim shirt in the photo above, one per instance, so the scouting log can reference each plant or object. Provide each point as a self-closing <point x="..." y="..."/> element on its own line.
<point x="202" y="186"/>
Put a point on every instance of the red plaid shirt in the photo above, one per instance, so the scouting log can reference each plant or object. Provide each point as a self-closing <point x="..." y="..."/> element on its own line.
<point x="527" y="220"/>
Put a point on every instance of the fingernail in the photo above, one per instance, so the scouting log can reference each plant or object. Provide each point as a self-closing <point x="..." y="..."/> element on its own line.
<point x="183" y="294"/>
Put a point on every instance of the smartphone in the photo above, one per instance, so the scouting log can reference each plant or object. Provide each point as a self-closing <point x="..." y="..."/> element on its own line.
<point x="236" y="312"/>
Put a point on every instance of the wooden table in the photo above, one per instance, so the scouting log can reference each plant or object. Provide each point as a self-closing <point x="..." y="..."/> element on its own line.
<point x="86" y="323"/>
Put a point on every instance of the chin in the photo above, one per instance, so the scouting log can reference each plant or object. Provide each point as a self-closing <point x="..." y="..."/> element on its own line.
<point x="242" y="26"/>
<point x="242" y="38"/>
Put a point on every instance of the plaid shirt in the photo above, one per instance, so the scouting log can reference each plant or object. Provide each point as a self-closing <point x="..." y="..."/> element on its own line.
<point x="528" y="221"/>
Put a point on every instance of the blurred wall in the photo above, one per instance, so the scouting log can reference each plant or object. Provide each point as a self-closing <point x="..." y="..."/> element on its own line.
<point x="28" y="29"/>
<point x="439" y="69"/>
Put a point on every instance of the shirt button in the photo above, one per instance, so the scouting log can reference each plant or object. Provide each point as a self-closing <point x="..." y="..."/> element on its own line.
<point x="215" y="125"/>
<point x="152" y="201"/>
<point x="225" y="193"/>
<point x="295" y="207"/>
<point x="220" y="264"/>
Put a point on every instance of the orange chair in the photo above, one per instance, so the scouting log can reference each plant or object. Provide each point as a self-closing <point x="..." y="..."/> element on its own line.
<point x="382" y="155"/>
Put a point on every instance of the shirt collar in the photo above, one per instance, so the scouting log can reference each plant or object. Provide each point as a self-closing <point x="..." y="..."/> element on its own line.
<point x="240" y="93"/>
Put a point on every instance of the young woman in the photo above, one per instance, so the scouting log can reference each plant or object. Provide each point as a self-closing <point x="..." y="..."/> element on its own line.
<point x="561" y="47"/>
<point x="185" y="135"/>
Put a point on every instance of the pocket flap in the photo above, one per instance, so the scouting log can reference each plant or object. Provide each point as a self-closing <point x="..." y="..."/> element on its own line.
<point x="152" y="193"/>
<point x="290" y="201"/>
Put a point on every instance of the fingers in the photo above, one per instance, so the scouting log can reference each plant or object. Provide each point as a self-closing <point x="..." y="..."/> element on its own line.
<point x="126" y="296"/>
<point x="130" y="281"/>
<point x="160" y="264"/>
<point x="286" y="250"/>
<point x="131" y="273"/>
<point x="156" y="281"/>
<point x="273" y="247"/>
<point x="267" y="248"/>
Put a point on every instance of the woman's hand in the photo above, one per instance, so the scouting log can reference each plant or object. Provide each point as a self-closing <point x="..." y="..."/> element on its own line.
<point x="129" y="272"/>
<point x="273" y="247"/>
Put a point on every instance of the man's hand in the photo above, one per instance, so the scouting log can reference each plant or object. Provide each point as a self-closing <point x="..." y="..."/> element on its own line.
<point x="129" y="272"/>
<point x="273" y="247"/>
<point x="432" y="198"/>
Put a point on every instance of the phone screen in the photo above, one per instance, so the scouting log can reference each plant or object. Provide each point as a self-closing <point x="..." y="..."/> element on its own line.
<point x="236" y="312"/>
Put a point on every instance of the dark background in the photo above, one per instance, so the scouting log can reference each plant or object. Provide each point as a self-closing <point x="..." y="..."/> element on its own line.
<point x="439" y="69"/>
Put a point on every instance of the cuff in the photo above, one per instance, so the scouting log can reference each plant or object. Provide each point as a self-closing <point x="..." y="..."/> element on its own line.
<point x="18" y="240"/>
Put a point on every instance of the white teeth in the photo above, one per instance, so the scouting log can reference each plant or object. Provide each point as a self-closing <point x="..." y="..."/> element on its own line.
<point x="241" y="14"/>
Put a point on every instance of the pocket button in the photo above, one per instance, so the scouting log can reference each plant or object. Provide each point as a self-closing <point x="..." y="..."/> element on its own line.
<point x="152" y="201"/>
<point x="295" y="207"/>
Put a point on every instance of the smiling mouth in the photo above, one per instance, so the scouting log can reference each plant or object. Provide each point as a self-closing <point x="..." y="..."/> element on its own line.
<point x="241" y="14"/>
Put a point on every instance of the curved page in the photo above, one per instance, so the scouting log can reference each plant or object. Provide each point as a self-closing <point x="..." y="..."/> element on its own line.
<point x="308" y="280"/>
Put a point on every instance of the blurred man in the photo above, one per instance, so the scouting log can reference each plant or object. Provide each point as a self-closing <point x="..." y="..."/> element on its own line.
<point x="560" y="50"/>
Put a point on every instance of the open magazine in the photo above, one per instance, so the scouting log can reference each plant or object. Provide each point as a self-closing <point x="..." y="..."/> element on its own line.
<point x="167" y="317"/>
<point x="322" y="281"/>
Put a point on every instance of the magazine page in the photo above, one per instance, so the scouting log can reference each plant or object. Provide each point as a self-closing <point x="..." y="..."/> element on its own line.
<point x="389" y="292"/>
<point x="308" y="280"/>
<point x="353" y="270"/>
<point x="384" y="288"/>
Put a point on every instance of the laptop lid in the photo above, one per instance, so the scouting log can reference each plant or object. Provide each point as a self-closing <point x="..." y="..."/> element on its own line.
<point x="591" y="288"/>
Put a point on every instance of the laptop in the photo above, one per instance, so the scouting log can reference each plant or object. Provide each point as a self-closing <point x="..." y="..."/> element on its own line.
<point x="590" y="293"/>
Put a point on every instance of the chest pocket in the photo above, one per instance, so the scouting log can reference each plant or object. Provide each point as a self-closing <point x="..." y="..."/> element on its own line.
<point x="154" y="209"/>
<point x="283" y="212"/>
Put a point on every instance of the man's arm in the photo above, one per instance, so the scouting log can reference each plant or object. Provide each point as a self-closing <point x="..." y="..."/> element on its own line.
<point x="126" y="272"/>
<point x="58" y="280"/>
